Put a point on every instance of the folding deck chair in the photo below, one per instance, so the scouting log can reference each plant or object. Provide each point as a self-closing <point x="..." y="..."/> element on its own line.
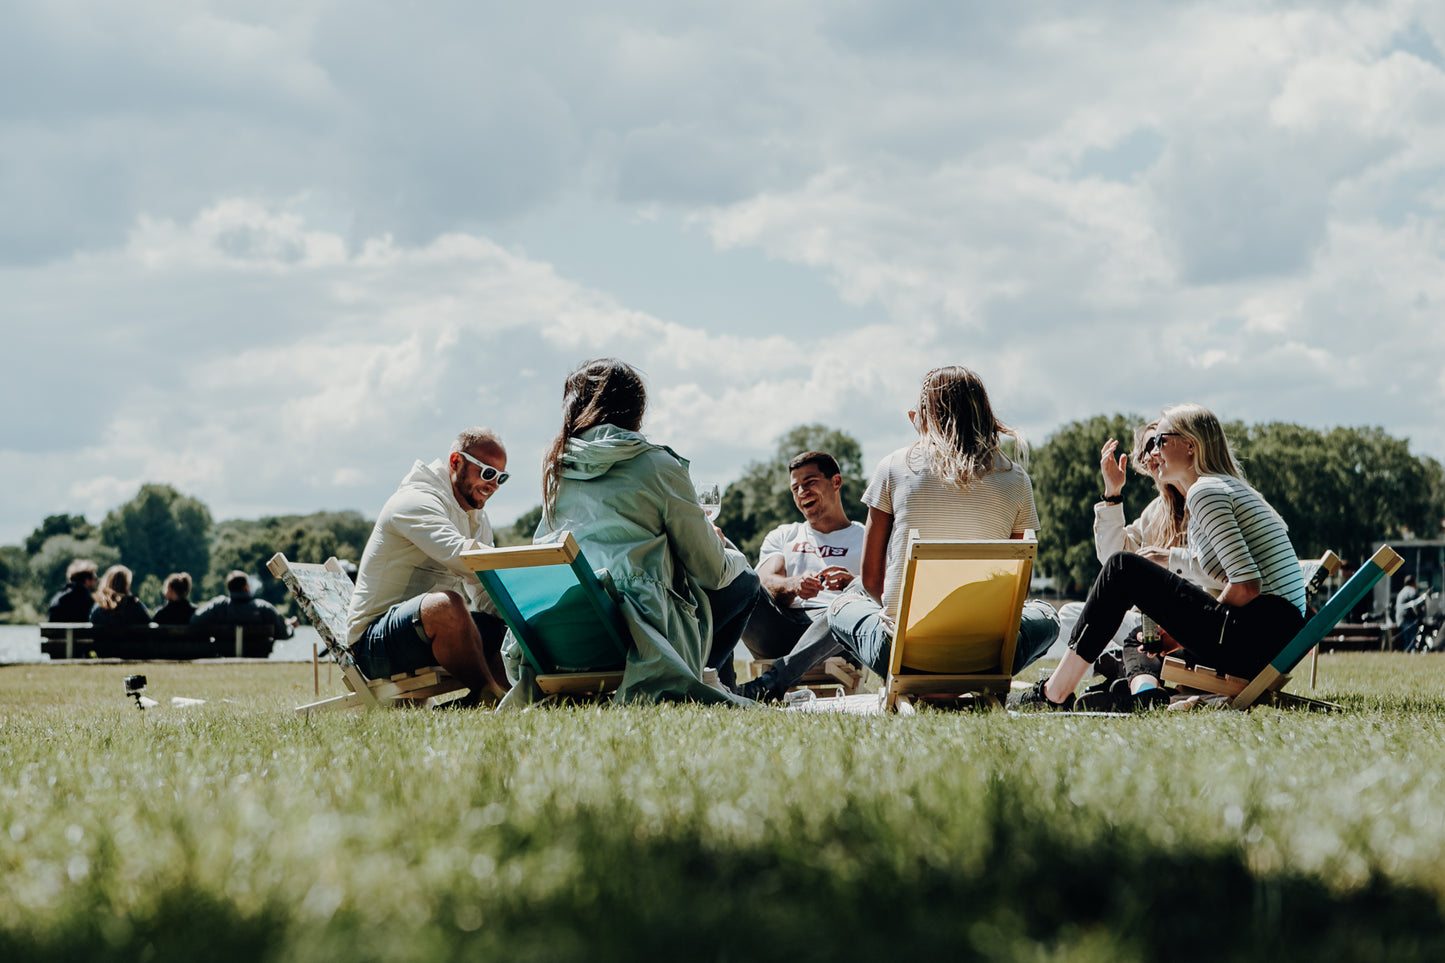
<point x="1271" y="680"/>
<point x="834" y="676"/>
<point x="570" y="630"/>
<point x="958" y="617"/>
<point x="324" y="592"/>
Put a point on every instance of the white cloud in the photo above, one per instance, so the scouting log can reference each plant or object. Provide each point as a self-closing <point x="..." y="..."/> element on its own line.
<point x="254" y="250"/>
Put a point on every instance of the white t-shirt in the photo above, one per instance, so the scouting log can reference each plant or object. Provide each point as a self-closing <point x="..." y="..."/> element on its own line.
<point x="998" y="505"/>
<point x="805" y="549"/>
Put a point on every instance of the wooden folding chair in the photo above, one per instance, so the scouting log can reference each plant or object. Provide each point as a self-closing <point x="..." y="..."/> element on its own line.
<point x="958" y="617"/>
<point x="324" y="592"/>
<point x="1269" y="684"/>
<point x="570" y="630"/>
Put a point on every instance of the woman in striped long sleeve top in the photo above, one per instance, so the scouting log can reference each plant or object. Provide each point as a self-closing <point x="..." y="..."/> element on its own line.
<point x="1234" y="535"/>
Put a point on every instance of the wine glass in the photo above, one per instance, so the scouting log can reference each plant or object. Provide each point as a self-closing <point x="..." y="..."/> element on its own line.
<point x="710" y="498"/>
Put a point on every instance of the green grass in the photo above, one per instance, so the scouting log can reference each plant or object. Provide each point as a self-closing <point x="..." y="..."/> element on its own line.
<point x="235" y="830"/>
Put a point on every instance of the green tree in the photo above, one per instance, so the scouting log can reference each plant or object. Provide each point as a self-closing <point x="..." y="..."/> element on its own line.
<point x="1344" y="489"/>
<point x="760" y="500"/>
<point x="160" y="531"/>
<point x="1067" y="483"/>
<point x="521" y="531"/>
<point x="74" y="525"/>
<point x="247" y="546"/>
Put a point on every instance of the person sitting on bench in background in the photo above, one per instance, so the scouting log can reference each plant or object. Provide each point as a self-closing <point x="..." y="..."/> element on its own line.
<point x="802" y="566"/>
<point x="240" y="607"/>
<point x="114" y="605"/>
<point x="178" y="608"/>
<point x="73" y="603"/>
<point x="415" y="603"/>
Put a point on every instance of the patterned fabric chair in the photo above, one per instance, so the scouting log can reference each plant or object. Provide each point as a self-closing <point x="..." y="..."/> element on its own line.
<point x="324" y="592"/>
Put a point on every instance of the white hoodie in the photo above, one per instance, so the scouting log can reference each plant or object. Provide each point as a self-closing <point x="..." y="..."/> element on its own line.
<point x="416" y="548"/>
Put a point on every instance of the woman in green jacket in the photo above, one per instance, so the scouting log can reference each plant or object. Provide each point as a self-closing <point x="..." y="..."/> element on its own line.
<point x="633" y="509"/>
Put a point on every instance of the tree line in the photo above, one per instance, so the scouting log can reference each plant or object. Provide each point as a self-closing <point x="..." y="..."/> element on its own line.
<point x="1341" y="489"/>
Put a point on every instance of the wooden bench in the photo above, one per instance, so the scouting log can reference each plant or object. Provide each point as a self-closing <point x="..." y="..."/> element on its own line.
<point x="71" y="640"/>
<point x="1357" y="637"/>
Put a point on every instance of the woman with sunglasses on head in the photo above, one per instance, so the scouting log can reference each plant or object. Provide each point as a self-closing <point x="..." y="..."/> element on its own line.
<point x="633" y="509"/>
<point x="1234" y="535"/>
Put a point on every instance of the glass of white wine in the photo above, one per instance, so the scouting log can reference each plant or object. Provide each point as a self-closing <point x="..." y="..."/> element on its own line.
<point x="710" y="498"/>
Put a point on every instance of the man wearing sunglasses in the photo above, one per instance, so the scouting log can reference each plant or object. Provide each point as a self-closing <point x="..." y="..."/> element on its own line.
<point x="415" y="604"/>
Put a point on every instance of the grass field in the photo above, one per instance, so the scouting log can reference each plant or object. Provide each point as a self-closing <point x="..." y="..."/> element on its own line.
<point x="234" y="830"/>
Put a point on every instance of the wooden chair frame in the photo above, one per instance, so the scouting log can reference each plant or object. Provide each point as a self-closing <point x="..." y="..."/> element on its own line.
<point x="1268" y="685"/>
<point x="1016" y="559"/>
<point x="403" y="688"/>
<point x="553" y="679"/>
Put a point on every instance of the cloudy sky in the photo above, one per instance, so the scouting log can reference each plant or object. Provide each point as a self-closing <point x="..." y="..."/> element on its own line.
<point x="271" y="252"/>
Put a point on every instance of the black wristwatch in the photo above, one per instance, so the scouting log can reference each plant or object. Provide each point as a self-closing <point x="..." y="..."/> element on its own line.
<point x="1114" y="499"/>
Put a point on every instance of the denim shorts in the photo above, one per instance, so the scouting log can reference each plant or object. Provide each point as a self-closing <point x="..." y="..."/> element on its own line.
<point x="394" y="643"/>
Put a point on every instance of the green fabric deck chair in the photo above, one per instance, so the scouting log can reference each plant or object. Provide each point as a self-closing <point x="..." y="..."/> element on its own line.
<point x="1268" y="685"/>
<point x="569" y="629"/>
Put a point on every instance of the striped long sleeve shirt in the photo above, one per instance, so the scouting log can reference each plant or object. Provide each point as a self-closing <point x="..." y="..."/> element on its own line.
<point x="1238" y="537"/>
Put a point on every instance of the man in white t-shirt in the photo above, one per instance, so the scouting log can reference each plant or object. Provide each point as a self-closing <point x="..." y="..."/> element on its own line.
<point x="802" y="566"/>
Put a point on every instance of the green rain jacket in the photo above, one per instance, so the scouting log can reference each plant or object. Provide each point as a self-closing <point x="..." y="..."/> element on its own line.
<point x="632" y="507"/>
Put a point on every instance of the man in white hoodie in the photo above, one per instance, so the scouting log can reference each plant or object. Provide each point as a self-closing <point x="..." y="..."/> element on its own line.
<point x="415" y="603"/>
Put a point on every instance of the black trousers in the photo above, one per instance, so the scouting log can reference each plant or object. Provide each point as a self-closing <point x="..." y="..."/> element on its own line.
<point x="1239" y="640"/>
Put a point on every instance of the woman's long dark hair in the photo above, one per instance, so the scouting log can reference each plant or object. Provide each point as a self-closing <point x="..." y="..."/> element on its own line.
<point x="602" y="392"/>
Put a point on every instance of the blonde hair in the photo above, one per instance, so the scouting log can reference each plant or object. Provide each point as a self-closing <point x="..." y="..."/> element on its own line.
<point x="1212" y="452"/>
<point x="958" y="433"/>
<point x="114" y="587"/>
<point x="1167" y="528"/>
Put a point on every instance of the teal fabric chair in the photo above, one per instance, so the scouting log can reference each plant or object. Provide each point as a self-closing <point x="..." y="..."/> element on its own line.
<point x="569" y="628"/>
<point x="1272" y="678"/>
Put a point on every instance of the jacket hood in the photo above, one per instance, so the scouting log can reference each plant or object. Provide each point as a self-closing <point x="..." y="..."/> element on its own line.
<point x="593" y="452"/>
<point x="435" y="479"/>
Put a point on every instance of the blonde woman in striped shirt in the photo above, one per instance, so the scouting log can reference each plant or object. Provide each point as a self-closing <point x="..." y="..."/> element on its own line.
<point x="1234" y="535"/>
<point x="954" y="481"/>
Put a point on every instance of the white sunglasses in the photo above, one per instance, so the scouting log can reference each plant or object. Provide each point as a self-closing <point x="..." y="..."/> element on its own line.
<point x="488" y="472"/>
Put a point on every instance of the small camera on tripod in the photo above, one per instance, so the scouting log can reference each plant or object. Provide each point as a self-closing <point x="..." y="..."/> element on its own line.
<point x="134" y="686"/>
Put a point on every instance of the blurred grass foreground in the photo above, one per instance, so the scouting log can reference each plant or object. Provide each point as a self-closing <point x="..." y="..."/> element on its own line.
<point x="234" y="830"/>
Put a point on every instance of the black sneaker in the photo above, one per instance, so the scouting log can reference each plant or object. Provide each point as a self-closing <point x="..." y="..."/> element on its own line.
<point x="1153" y="698"/>
<point x="758" y="691"/>
<point x="1105" y="697"/>
<point x="1033" y="699"/>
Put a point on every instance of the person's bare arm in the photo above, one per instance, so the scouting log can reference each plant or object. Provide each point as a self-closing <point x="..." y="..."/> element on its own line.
<point x="1240" y="593"/>
<point x="876" y="532"/>
<point x="773" y="575"/>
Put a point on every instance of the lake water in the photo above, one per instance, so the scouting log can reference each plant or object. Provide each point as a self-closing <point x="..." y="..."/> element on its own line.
<point x="21" y="643"/>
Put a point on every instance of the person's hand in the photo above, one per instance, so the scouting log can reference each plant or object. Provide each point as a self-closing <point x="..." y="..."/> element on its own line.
<point x="809" y="585"/>
<point x="1112" y="468"/>
<point x="292" y="621"/>
<point x="835" y="577"/>
<point x="1155" y="554"/>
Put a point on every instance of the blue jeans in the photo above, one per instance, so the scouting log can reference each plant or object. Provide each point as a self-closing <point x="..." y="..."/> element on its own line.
<point x="731" y="605"/>
<point x="856" y="622"/>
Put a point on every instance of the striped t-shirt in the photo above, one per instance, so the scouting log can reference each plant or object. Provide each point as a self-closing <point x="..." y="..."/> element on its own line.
<point x="1238" y="537"/>
<point x="997" y="505"/>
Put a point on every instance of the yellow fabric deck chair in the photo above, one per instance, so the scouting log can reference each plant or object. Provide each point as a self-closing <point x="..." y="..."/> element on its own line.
<point x="958" y="617"/>
<point x="324" y="592"/>
<point x="570" y="630"/>
<point x="1269" y="684"/>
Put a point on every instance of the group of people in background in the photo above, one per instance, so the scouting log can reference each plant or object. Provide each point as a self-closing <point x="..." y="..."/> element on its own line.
<point x="110" y="603"/>
<point x="1209" y="562"/>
